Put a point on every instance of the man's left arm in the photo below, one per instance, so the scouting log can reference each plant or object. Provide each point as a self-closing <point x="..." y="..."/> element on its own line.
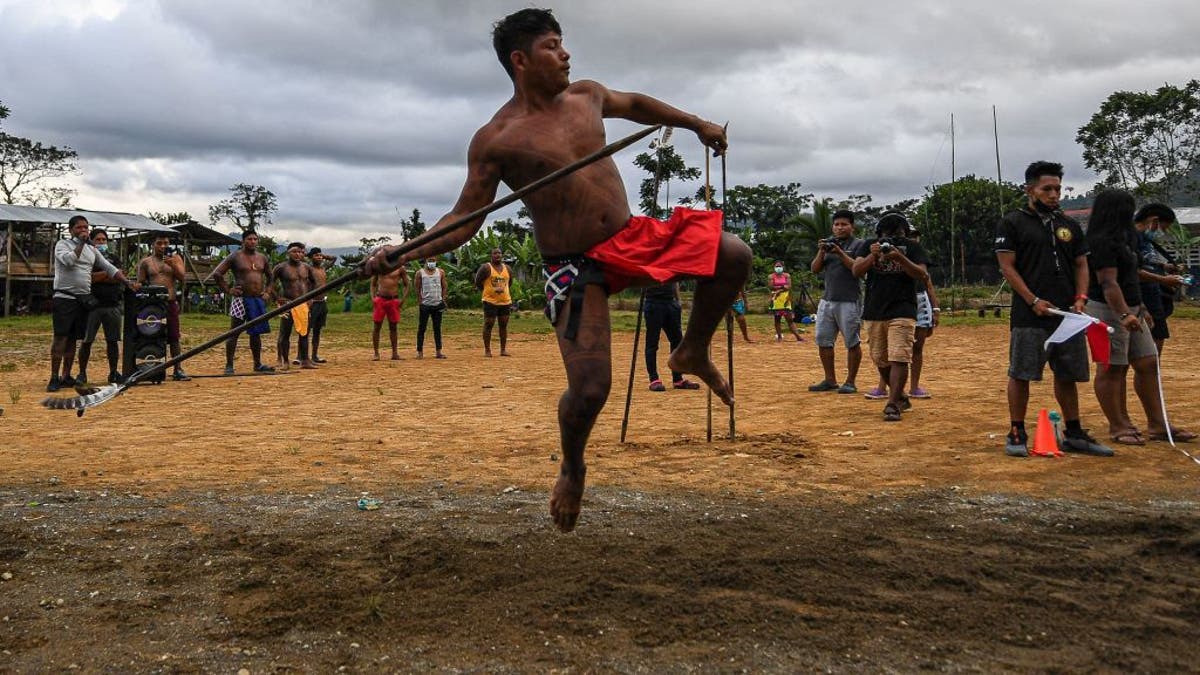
<point x="1081" y="284"/>
<point x="649" y="110"/>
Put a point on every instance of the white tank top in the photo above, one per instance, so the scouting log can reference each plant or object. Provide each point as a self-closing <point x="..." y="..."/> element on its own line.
<point x="431" y="288"/>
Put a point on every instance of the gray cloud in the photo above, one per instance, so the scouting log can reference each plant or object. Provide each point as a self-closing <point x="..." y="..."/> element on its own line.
<point x="350" y="110"/>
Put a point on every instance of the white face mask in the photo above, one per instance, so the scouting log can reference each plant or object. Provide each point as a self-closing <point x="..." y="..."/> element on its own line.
<point x="778" y="270"/>
<point x="431" y="265"/>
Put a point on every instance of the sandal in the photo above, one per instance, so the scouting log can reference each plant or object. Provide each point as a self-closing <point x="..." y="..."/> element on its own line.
<point x="657" y="385"/>
<point x="1128" y="437"/>
<point x="1181" y="435"/>
<point x="891" y="413"/>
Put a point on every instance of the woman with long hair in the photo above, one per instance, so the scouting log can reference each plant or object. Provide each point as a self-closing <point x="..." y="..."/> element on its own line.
<point x="1115" y="298"/>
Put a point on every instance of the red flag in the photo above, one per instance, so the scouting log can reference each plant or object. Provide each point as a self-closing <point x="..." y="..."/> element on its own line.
<point x="1097" y="337"/>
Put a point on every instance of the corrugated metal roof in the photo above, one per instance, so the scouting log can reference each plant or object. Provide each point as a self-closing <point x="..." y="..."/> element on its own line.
<point x="1188" y="215"/>
<point x="204" y="235"/>
<point x="37" y="214"/>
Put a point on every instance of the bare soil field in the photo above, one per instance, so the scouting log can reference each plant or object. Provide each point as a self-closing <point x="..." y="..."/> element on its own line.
<point x="212" y="525"/>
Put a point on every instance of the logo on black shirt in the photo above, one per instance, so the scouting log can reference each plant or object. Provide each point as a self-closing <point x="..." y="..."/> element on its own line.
<point x="1064" y="234"/>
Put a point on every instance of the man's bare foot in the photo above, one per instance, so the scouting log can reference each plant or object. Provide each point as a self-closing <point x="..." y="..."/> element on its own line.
<point x="703" y="368"/>
<point x="487" y="353"/>
<point x="504" y="353"/>
<point x="395" y="356"/>
<point x="565" y="500"/>
<point x="284" y="365"/>
<point x="376" y="357"/>
<point x="308" y="365"/>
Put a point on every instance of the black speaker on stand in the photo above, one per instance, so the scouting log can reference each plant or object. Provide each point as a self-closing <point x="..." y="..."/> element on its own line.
<point x="145" y="331"/>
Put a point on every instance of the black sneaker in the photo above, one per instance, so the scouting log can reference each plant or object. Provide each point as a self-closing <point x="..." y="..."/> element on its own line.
<point x="116" y="378"/>
<point x="180" y="376"/>
<point x="823" y="385"/>
<point x="68" y="381"/>
<point x="1017" y="444"/>
<point x="1084" y="444"/>
<point x="55" y="384"/>
<point x="82" y="377"/>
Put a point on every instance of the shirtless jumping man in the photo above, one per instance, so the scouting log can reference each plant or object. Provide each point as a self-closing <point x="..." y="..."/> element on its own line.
<point x="388" y="299"/>
<point x="583" y="228"/>
<point x="295" y="278"/>
<point x="163" y="267"/>
<point x="252" y="278"/>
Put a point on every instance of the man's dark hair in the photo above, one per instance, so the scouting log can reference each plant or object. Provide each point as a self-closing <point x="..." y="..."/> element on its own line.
<point x="518" y="30"/>
<point x="162" y="235"/>
<point x="1035" y="171"/>
<point x="313" y="251"/>
<point x="1112" y="217"/>
<point x="892" y="223"/>
<point x="296" y="244"/>
<point x="846" y="214"/>
<point x="249" y="233"/>
<point x="1164" y="213"/>
<point x="75" y="220"/>
<point x="98" y="230"/>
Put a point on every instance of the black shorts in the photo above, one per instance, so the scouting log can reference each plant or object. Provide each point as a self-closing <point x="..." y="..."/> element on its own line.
<point x="1160" y="330"/>
<point x="69" y="318"/>
<point x="318" y="315"/>
<point x="492" y="311"/>
<point x="110" y="318"/>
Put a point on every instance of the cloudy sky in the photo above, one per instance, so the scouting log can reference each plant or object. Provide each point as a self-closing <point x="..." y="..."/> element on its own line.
<point x="354" y="111"/>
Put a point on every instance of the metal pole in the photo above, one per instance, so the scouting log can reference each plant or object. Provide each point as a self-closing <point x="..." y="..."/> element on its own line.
<point x="728" y="315"/>
<point x="8" y="270"/>
<point x="637" y="334"/>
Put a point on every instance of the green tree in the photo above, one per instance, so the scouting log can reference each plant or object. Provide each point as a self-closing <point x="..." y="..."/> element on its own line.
<point x="978" y="205"/>
<point x="1181" y="241"/>
<point x="25" y="166"/>
<point x="249" y="207"/>
<point x="663" y="165"/>
<point x="412" y="226"/>
<point x="764" y="207"/>
<point x="1146" y="142"/>
<point x="170" y="218"/>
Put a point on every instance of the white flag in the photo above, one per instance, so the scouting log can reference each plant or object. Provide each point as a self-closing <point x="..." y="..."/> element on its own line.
<point x="1072" y="325"/>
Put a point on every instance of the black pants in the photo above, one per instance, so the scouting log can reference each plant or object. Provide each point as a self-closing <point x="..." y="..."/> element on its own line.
<point x="427" y="311"/>
<point x="285" y="337"/>
<point x="662" y="317"/>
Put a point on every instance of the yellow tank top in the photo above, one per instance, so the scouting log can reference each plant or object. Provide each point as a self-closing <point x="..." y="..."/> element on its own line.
<point x="495" y="288"/>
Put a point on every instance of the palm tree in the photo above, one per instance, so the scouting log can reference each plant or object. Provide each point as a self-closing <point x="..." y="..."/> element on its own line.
<point x="815" y="226"/>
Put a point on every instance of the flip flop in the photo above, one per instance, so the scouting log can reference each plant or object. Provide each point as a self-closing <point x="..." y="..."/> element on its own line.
<point x="891" y="413"/>
<point x="1180" y="435"/>
<point x="1128" y="437"/>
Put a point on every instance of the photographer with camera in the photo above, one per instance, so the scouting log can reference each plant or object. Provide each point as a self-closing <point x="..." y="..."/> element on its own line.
<point x="894" y="266"/>
<point x="840" y="309"/>
<point x="163" y="267"/>
<point x="75" y="260"/>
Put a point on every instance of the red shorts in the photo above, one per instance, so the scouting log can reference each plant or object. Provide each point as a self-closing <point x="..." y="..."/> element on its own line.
<point x="386" y="307"/>
<point x="172" y="321"/>
<point x="685" y="245"/>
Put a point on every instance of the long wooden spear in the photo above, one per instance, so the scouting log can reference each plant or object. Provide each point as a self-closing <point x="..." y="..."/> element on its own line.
<point x="92" y="398"/>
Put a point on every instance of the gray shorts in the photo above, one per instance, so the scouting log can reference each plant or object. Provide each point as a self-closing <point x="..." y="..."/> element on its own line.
<point x="109" y="317"/>
<point x="835" y="317"/>
<point x="1027" y="356"/>
<point x="1123" y="345"/>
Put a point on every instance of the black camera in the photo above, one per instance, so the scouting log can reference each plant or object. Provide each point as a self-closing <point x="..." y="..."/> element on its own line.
<point x="828" y="244"/>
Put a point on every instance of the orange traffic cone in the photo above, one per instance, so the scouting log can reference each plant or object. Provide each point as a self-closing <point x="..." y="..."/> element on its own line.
<point x="1045" y="443"/>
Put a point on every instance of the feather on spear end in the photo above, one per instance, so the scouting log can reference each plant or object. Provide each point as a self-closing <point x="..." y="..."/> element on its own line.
<point x="88" y="397"/>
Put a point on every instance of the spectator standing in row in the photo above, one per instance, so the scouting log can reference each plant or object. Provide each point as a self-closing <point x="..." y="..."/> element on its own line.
<point x="664" y="314"/>
<point x="780" y="285"/>
<point x="494" y="278"/>
<point x="928" y="315"/>
<point x="75" y="260"/>
<point x="318" y="313"/>
<point x="840" y="308"/>
<point x="1159" y="274"/>
<point x="387" y="295"/>
<point x="432" y="289"/>
<point x="164" y="267"/>
<point x="107" y="314"/>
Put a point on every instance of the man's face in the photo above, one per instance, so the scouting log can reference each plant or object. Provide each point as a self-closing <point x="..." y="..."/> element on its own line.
<point x="318" y="259"/>
<point x="80" y="229"/>
<point x="548" y="61"/>
<point x="250" y="243"/>
<point x="160" y="247"/>
<point x="296" y="254"/>
<point x="1047" y="191"/>
<point x="497" y="256"/>
<point x="842" y="228"/>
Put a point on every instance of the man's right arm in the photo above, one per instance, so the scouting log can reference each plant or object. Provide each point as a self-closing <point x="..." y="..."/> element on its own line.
<point x="218" y="274"/>
<point x="65" y="253"/>
<point x="483" y="178"/>
<point x="1021" y="291"/>
<point x="481" y="276"/>
<point x="818" y="261"/>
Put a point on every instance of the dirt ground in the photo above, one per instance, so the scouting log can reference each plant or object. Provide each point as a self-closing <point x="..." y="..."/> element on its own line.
<point x="212" y="526"/>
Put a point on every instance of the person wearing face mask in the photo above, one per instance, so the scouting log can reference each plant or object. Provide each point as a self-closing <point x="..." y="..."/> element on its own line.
<point x="431" y="290"/>
<point x="75" y="260"/>
<point x="1158" y="274"/>
<point x="1042" y="255"/>
<point x="107" y="314"/>
<point x="780" y="284"/>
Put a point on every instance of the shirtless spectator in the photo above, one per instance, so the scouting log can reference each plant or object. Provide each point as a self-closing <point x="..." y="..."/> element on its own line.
<point x="295" y="278"/>
<point x="252" y="279"/>
<point x="163" y="267"/>
<point x="319" y="309"/>
<point x="590" y="244"/>
<point x="387" y="293"/>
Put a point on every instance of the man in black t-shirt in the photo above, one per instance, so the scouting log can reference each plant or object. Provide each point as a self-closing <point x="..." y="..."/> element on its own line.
<point x="1043" y="257"/>
<point x="893" y="266"/>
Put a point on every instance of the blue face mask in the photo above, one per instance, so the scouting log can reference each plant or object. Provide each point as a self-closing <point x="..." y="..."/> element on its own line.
<point x="102" y="247"/>
<point x="1156" y="235"/>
